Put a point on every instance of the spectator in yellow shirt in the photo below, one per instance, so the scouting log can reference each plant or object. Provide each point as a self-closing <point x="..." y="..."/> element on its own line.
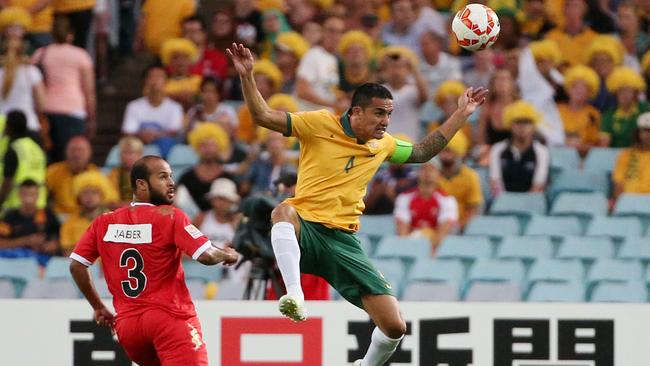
<point x="59" y="176"/>
<point x="40" y="29"/>
<point x="575" y="36"/>
<point x="459" y="180"/>
<point x="178" y="55"/>
<point x="580" y="119"/>
<point x="632" y="169"/>
<point x="93" y="192"/>
<point x="161" y="20"/>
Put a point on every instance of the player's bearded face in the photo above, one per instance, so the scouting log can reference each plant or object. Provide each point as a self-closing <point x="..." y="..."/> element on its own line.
<point x="161" y="187"/>
<point x="160" y="197"/>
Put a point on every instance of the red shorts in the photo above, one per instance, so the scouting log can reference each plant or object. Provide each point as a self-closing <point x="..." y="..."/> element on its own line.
<point x="157" y="338"/>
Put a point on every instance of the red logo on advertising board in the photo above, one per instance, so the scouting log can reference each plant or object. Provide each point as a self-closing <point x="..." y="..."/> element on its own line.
<point x="232" y="330"/>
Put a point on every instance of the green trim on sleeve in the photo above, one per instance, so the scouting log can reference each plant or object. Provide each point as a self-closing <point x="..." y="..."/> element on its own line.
<point x="402" y="152"/>
<point x="288" y="132"/>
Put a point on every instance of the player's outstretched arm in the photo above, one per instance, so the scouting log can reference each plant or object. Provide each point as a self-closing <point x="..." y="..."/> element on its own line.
<point x="213" y="255"/>
<point x="262" y="114"/>
<point x="82" y="278"/>
<point x="436" y="141"/>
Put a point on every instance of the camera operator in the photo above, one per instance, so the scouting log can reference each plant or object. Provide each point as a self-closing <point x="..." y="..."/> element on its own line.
<point x="252" y="240"/>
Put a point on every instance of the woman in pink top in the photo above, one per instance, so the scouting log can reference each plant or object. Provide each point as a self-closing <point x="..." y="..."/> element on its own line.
<point x="70" y="102"/>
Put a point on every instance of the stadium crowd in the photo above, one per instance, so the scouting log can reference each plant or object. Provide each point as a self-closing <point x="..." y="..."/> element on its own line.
<point x="567" y="78"/>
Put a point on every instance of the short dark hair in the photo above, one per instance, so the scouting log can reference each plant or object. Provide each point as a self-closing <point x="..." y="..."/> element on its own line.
<point x="195" y="18"/>
<point x="28" y="183"/>
<point x="16" y="123"/>
<point x="140" y="169"/>
<point x="61" y="29"/>
<point x="155" y="65"/>
<point x="212" y="80"/>
<point x="362" y="96"/>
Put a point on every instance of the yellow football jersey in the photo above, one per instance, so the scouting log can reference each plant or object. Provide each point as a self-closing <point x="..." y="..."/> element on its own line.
<point x="335" y="168"/>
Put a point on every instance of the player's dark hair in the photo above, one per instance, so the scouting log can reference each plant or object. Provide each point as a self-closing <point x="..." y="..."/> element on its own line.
<point x="28" y="183"/>
<point x="363" y="95"/>
<point x="140" y="170"/>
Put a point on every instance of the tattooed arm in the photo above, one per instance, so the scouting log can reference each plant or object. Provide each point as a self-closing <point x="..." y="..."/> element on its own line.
<point x="436" y="141"/>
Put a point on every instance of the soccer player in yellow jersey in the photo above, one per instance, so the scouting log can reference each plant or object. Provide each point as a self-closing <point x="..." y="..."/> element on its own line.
<point x="314" y="232"/>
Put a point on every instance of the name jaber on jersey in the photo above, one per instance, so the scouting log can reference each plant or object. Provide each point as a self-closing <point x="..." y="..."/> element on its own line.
<point x="131" y="234"/>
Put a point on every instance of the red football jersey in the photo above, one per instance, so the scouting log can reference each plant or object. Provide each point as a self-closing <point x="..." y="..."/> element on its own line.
<point x="141" y="247"/>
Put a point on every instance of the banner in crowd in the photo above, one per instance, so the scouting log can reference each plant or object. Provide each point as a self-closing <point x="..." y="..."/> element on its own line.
<point x="61" y="332"/>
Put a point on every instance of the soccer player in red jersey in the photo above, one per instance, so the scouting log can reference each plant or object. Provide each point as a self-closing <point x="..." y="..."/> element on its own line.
<point x="141" y="247"/>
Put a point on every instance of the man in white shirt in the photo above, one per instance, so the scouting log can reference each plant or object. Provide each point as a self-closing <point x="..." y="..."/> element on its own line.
<point x="318" y="72"/>
<point x="154" y="118"/>
<point x="409" y="90"/>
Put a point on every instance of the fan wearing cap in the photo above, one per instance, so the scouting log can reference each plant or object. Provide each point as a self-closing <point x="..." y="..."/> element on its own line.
<point x="211" y="144"/>
<point x="427" y="210"/>
<point x="581" y="120"/>
<point x="632" y="170"/>
<point x="617" y="128"/>
<point x="547" y="58"/>
<point x="290" y="47"/>
<point x="399" y="69"/>
<point x="178" y="55"/>
<point x="603" y="55"/>
<point x="459" y="180"/>
<point x="520" y="163"/>
<point x="446" y="99"/>
<point x="93" y="192"/>
<point x="219" y="222"/>
<point x="355" y="50"/>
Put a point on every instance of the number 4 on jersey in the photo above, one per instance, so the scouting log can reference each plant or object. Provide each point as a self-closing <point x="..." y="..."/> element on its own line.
<point x="349" y="165"/>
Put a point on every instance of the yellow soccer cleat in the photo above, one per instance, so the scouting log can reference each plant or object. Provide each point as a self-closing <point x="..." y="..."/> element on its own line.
<point x="292" y="308"/>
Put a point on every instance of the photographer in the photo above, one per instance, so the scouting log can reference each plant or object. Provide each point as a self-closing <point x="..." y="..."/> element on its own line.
<point x="252" y="240"/>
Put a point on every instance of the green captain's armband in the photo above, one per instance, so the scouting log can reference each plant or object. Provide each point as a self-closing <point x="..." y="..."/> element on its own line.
<point x="402" y="152"/>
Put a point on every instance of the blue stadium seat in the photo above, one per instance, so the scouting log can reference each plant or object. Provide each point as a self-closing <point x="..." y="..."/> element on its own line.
<point x="557" y="292"/>
<point x="437" y="270"/>
<point x="377" y="225"/>
<point x="230" y="290"/>
<point x="431" y="291"/>
<point x="50" y="289"/>
<point x="525" y="248"/>
<point x="601" y="159"/>
<point x="556" y="270"/>
<point x="113" y="157"/>
<point x="629" y="204"/>
<point x="632" y="292"/>
<point x="494" y="292"/>
<point x="554" y="226"/>
<point x="18" y="270"/>
<point x="564" y="158"/>
<point x="407" y="248"/>
<point x="467" y="248"/>
<point x="7" y="290"/>
<point x="59" y="268"/>
<point x="611" y="270"/>
<point x="585" y="248"/>
<point x="196" y="287"/>
<point x="493" y="226"/>
<point x="635" y="248"/>
<point x="519" y="204"/>
<point x="580" y="204"/>
<point x="196" y="270"/>
<point x="181" y="157"/>
<point x="393" y="270"/>
<point x="579" y="181"/>
<point x="496" y="271"/>
<point x="617" y="227"/>
<point x="484" y="178"/>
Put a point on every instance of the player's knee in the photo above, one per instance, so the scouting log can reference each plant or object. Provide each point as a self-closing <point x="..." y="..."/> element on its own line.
<point x="283" y="212"/>
<point x="395" y="329"/>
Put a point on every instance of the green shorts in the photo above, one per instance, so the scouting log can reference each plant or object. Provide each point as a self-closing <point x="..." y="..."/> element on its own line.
<point x="337" y="256"/>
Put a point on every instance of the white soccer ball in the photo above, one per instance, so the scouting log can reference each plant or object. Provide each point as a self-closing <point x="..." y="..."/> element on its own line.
<point x="476" y="27"/>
